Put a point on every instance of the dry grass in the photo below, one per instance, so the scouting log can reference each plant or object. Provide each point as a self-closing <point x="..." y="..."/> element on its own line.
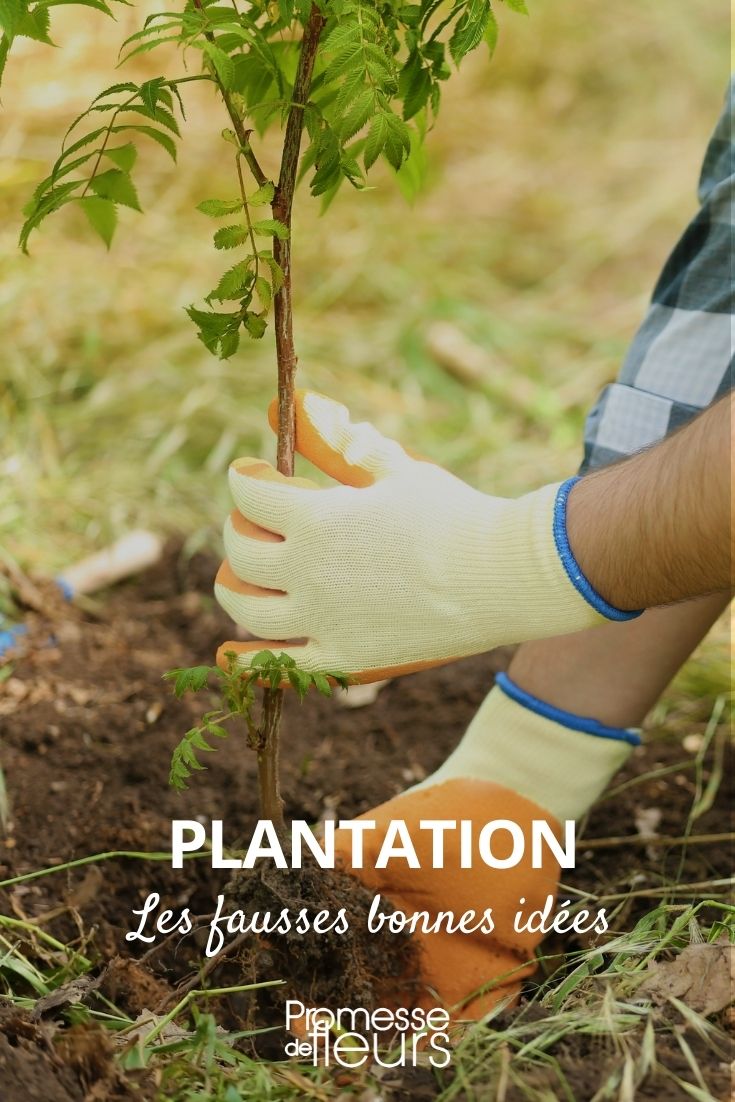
<point x="559" y="178"/>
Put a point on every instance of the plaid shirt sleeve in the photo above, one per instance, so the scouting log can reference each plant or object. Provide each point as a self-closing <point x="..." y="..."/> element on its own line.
<point x="681" y="359"/>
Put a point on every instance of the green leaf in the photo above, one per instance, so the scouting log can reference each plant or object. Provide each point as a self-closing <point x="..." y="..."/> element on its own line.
<point x="491" y="34"/>
<point x="416" y="92"/>
<point x="222" y="63"/>
<point x="277" y="276"/>
<point x="322" y="684"/>
<point x="164" y="140"/>
<point x="188" y="678"/>
<point x="209" y="321"/>
<point x="360" y="111"/>
<point x="4" y="46"/>
<point x="102" y="216"/>
<point x="262" y="659"/>
<point x="116" y="185"/>
<point x="263" y="195"/>
<point x="98" y="5"/>
<point x="11" y="15"/>
<point x="217" y="208"/>
<point x="263" y="290"/>
<point x="34" y="24"/>
<point x="229" y="237"/>
<point x="229" y="344"/>
<point x="235" y="282"/>
<point x="124" y="156"/>
<point x="411" y="176"/>
<point x="218" y="332"/>
<point x="301" y="681"/>
<point x="159" y="114"/>
<point x="470" y="29"/>
<point x="256" y="326"/>
<point x="271" y="227"/>
<point x="48" y="203"/>
<point x="376" y="138"/>
<point x="518" y="5"/>
<point x="216" y="730"/>
<point x="150" y="92"/>
<point x="398" y="141"/>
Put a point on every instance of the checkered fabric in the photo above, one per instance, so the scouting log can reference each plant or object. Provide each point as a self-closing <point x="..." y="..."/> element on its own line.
<point x="681" y="359"/>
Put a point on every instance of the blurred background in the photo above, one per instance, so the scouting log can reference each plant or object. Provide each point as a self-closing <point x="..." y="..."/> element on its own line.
<point x="477" y="324"/>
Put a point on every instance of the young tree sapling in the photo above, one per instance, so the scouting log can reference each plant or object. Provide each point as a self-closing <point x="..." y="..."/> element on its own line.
<point x="353" y="81"/>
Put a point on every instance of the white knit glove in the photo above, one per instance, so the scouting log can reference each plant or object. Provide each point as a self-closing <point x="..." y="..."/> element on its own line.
<point x="401" y="566"/>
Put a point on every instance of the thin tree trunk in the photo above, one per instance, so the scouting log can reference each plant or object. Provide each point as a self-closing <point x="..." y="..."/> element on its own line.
<point x="282" y="207"/>
<point x="271" y="804"/>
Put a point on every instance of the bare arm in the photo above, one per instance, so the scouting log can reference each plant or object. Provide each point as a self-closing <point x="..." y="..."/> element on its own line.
<point x="657" y="528"/>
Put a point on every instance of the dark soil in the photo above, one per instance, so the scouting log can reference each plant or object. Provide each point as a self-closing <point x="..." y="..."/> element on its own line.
<point x="87" y="727"/>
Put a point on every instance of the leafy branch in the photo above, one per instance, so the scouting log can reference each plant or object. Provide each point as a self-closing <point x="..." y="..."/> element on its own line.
<point x="237" y="692"/>
<point x="359" y="80"/>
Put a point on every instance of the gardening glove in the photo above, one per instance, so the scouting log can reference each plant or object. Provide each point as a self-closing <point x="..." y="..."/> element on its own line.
<point x="520" y="759"/>
<point x="466" y="973"/>
<point x="399" y="566"/>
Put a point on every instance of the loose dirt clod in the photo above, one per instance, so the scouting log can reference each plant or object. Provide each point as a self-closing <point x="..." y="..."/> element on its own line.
<point x="354" y="968"/>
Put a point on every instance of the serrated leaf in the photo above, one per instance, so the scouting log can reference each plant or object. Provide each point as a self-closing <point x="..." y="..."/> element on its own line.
<point x="210" y="322"/>
<point x="124" y="156"/>
<point x="188" y="678"/>
<point x="344" y="32"/>
<point x="491" y="35"/>
<point x="51" y="201"/>
<point x="35" y="24"/>
<point x="164" y="140"/>
<point x="150" y="91"/>
<point x="397" y="142"/>
<point x="322" y="684"/>
<point x="301" y="682"/>
<point x="271" y="227"/>
<point x="375" y="141"/>
<point x="102" y="216"/>
<point x="470" y="29"/>
<point x="217" y="208"/>
<point x="223" y="64"/>
<point x="417" y="93"/>
<point x="263" y="195"/>
<point x="277" y="276"/>
<point x="234" y="283"/>
<point x="4" y="46"/>
<point x="518" y="5"/>
<point x="159" y="114"/>
<point x="116" y="185"/>
<point x="229" y="344"/>
<point x="263" y="291"/>
<point x="229" y="237"/>
<point x="256" y="326"/>
<point x="199" y="741"/>
<point x="99" y="5"/>
<point x="358" y="114"/>
<point x="11" y="14"/>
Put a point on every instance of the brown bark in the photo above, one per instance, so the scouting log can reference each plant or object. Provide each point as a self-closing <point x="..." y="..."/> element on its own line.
<point x="282" y="207"/>
<point x="268" y="757"/>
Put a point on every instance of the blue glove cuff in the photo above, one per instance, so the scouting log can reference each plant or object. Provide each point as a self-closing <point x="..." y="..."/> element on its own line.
<point x="570" y="564"/>
<point x="585" y="724"/>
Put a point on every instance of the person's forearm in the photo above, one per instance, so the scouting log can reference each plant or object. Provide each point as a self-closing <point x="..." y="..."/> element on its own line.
<point x="657" y="528"/>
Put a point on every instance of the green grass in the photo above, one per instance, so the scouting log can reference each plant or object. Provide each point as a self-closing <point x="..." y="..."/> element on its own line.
<point x="591" y="997"/>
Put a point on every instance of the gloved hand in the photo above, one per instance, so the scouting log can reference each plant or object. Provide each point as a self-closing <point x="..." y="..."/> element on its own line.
<point x="398" y="567"/>
<point x="467" y="971"/>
